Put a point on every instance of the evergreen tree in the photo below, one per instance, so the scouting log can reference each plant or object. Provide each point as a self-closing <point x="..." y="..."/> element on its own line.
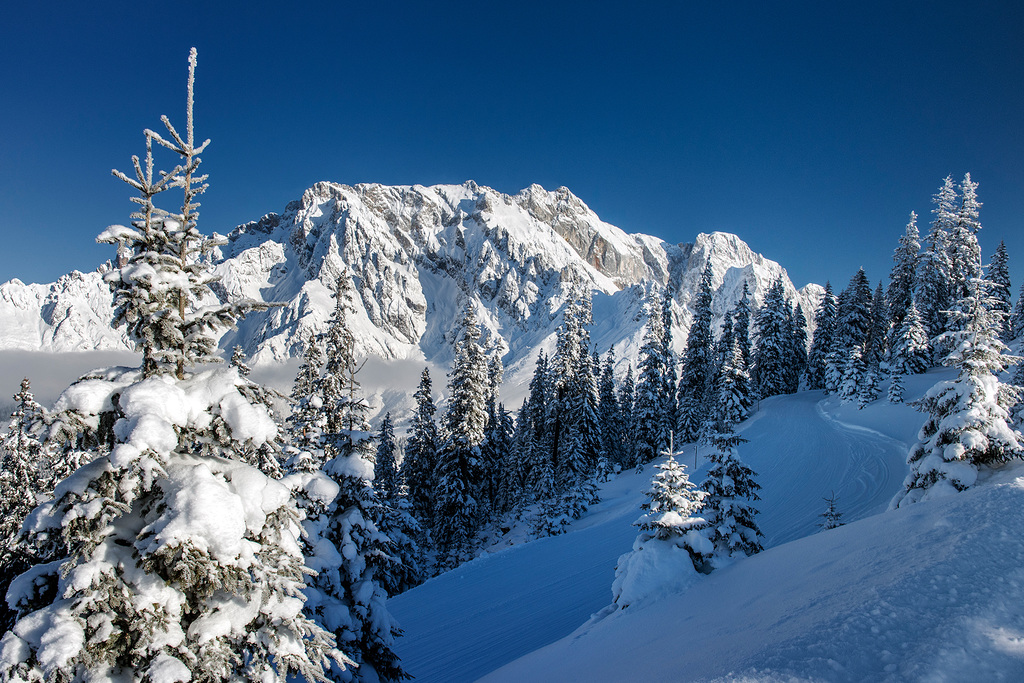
<point x="494" y="447"/>
<point x="741" y="325"/>
<point x="698" y="365"/>
<point x="824" y="327"/>
<point x="964" y="251"/>
<point x="421" y="454"/>
<point x="671" y="524"/>
<point x="853" y="325"/>
<point x="895" y="393"/>
<point x="731" y="488"/>
<point x="903" y="278"/>
<point x="910" y="352"/>
<point x="867" y="392"/>
<point x="1017" y="319"/>
<point x="385" y="467"/>
<point x="670" y="380"/>
<point x="23" y="481"/>
<point x="627" y="403"/>
<point x="650" y="402"/>
<point x="238" y="361"/>
<point x="171" y="531"/>
<point x="877" y="343"/>
<point x="935" y="270"/>
<point x="999" y="285"/>
<point x="853" y="375"/>
<point x="457" y="510"/>
<point x="831" y="517"/>
<point x="613" y="431"/>
<point x="968" y="417"/>
<point x="773" y="343"/>
<point x="305" y="424"/>
<point x="510" y="485"/>
<point x="734" y="389"/>
<point x="798" y="349"/>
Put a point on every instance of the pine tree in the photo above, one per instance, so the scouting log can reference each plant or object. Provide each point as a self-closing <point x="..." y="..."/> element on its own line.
<point x="385" y="467"/>
<point x="831" y="517"/>
<point x="494" y="448"/>
<point x="734" y="389"/>
<point x="670" y="380"/>
<point x="627" y="403"/>
<point x="731" y="488"/>
<point x="867" y="392"/>
<point x="1017" y="319"/>
<point x="824" y="327"/>
<point x="853" y="325"/>
<point x="999" y="279"/>
<point x="613" y="430"/>
<point x="698" y="365"/>
<point x="238" y="361"/>
<point x="671" y="523"/>
<point x="741" y="325"/>
<point x="171" y="532"/>
<point x="457" y="511"/>
<point x="23" y="482"/>
<point x="935" y="270"/>
<point x="895" y="393"/>
<point x="968" y="417"/>
<point x="876" y="345"/>
<point x="650" y="402"/>
<point x="421" y="455"/>
<point x="773" y="343"/>
<point x="853" y="375"/>
<point x="963" y="249"/>
<point x="903" y="278"/>
<point x="798" y="349"/>
<point x="910" y="353"/>
<point x="305" y="424"/>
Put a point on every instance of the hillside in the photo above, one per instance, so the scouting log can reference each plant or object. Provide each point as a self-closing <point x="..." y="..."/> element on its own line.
<point x="889" y="596"/>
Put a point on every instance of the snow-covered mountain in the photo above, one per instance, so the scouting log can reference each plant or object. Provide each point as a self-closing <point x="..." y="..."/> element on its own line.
<point x="416" y="255"/>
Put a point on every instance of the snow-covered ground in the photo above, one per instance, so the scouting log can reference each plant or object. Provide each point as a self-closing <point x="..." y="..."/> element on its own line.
<point x="933" y="592"/>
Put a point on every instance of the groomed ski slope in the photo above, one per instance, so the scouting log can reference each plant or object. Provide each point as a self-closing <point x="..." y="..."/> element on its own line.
<point x="489" y="612"/>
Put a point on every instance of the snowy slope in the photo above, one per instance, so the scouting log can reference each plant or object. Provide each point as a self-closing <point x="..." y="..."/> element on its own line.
<point x="806" y="607"/>
<point x="416" y="255"/>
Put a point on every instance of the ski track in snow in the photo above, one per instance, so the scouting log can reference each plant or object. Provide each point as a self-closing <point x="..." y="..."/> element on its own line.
<point x="470" y="621"/>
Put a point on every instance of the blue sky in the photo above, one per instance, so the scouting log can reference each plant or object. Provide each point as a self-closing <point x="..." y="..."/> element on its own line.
<point x="810" y="130"/>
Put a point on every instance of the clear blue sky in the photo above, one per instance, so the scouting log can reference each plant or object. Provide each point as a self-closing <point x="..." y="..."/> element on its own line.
<point x="810" y="130"/>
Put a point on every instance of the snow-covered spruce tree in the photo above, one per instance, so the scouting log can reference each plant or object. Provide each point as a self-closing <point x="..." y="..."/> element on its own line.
<point x="510" y="484"/>
<point x="650" y="402"/>
<point x="867" y="392"/>
<point x="457" y="513"/>
<point x="963" y="248"/>
<point x="627" y="403"/>
<point x="731" y="488"/>
<point x="672" y="535"/>
<point x="348" y="545"/>
<point x="831" y="517"/>
<point x="670" y="380"/>
<point x="876" y="346"/>
<point x="821" y="343"/>
<point x="934" y="277"/>
<point x="910" y="354"/>
<point x="734" y="398"/>
<point x="305" y="423"/>
<point x="770" y="353"/>
<point x="999" y="277"/>
<point x="741" y="325"/>
<point x="903" y="277"/>
<point x="151" y="547"/>
<point x="853" y="324"/>
<point x="853" y="375"/>
<point x="421" y="455"/>
<point x="1017" y="319"/>
<point x="613" y="431"/>
<point x="238" y="361"/>
<point x="698" y="364"/>
<point x="539" y="470"/>
<point x="24" y="480"/>
<point x="797" y="354"/>
<point x="494" y="447"/>
<point x="895" y="393"/>
<point x="385" y="467"/>
<point x="968" y="426"/>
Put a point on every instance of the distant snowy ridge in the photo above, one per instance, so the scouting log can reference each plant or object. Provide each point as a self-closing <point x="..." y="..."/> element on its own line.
<point x="416" y="254"/>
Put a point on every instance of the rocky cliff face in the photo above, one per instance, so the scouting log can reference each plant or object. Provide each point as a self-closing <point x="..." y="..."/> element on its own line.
<point x="416" y="255"/>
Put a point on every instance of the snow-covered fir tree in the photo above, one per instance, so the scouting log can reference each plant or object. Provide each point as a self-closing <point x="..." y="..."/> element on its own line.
<point x="968" y="426"/>
<point x="735" y="397"/>
<point x="903" y="277"/>
<point x="670" y="380"/>
<point x="671" y="528"/>
<point x="305" y="423"/>
<point x="821" y="343"/>
<point x="24" y="480"/>
<point x="627" y="404"/>
<point x="418" y="466"/>
<point x="148" y="550"/>
<point x="385" y="466"/>
<point x="741" y="325"/>
<point x="853" y="375"/>
<point x="494" y="448"/>
<point x="831" y="518"/>
<point x="238" y="361"/>
<point x="895" y="392"/>
<point x="731" y="490"/>
<point x="910" y="353"/>
<point x="797" y="353"/>
<point x="773" y="343"/>
<point x="853" y="323"/>
<point x="698" y="365"/>
<point x="613" y="429"/>
<point x="998" y="276"/>
<point x="867" y="392"/>
<point x="963" y="248"/>
<point x="934" y="278"/>
<point x="457" y="510"/>
<point x="348" y="547"/>
<point x="650" y="401"/>
<point x="876" y="346"/>
<point x="1017" y="318"/>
